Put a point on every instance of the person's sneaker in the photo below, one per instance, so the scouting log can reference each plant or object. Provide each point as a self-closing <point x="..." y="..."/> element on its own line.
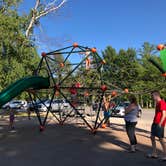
<point x="163" y="158"/>
<point x="136" y="148"/>
<point x="152" y="156"/>
<point x="132" y="149"/>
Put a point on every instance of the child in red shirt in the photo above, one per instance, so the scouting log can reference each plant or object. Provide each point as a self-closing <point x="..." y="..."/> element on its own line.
<point x="159" y="122"/>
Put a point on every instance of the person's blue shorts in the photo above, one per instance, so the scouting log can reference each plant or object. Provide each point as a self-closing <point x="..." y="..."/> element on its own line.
<point x="157" y="131"/>
<point x="107" y="114"/>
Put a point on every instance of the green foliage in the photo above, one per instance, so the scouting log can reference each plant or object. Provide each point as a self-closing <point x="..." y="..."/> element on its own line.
<point x="7" y="5"/>
<point x="131" y="69"/>
<point x="18" y="56"/>
<point x="125" y="69"/>
<point x="121" y="68"/>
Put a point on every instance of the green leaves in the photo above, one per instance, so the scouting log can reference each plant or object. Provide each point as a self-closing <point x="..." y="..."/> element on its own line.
<point x="121" y="68"/>
<point x="18" y="56"/>
<point x="130" y="68"/>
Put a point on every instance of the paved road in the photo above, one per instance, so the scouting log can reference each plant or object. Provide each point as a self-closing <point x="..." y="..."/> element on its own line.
<point x="143" y="123"/>
<point x="148" y="114"/>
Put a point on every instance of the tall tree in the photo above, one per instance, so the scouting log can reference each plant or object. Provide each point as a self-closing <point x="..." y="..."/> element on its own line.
<point x="121" y="68"/>
<point x="147" y="50"/>
<point x="42" y="8"/>
<point x="131" y="69"/>
<point x="18" y="56"/>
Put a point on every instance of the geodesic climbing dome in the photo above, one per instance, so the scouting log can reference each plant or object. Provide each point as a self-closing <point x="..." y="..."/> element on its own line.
<point x="76" y="82"/>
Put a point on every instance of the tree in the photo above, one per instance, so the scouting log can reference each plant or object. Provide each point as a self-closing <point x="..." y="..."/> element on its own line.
<point x="41" y="9"/>
<point x="147" y="50"/>
<point x="121" y="68"/>
<point x="6" y="5"/>
<point x="131" y="69"/>
<point x="150" y="76"/>
<point x="17" y="48"/>
<point x="18" y="55"/>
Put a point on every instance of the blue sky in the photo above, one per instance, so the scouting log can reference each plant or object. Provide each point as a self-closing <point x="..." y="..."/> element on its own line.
<point x="119" y="23"/>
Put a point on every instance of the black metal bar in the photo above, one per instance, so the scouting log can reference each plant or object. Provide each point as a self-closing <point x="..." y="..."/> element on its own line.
<point x="107" y="118"/>
<point x="50" y="70"/>
<point x="55" y="116"/>
<point x="87" y="48"/>
<point x="43" y="123"/>
<point x="36" y="111"/>
<point x="78" y="63"/>
<point x="98" y="112"/>
<point x="102" y="122"/>
<point x="76" y="111"/>
<point x="73" y="70"/>
<point x="48" y="110"/>
<point x="69" y="54"/>
<point x="52" y="52"/>
<point x="39" y="66"/>
<point x="41" y="101"/>
<point x="67" y="116"/>
<point x="51" y="59"/>
<point x="81" y="88"/>
<point x="98" y="56"/>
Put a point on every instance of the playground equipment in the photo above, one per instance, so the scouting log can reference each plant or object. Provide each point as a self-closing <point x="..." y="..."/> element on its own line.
<point x="76" y="83"/>
<point x="56" y="78"/>
<point x="21" y="85"/>
<point x="161" y="68"/>
<point x="71" y="76"/>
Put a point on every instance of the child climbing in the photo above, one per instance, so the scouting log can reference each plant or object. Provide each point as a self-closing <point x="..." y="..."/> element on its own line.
<point x="87" y="61"/>
<point x="107" y="111"/>
<point x="73" y="92"/>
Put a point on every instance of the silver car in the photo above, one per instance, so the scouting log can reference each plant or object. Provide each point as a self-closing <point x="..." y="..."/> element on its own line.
<point x="15" y="104"/>
<point x="56" y="105"/>
<point x="119" y="110"/>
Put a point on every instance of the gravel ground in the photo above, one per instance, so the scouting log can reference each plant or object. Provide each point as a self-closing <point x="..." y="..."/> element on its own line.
<point x="73" y="144"/>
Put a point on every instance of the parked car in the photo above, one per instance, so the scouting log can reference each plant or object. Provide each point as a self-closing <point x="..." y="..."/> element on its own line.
<point x="56" y="105"/>
<point x="119" y="110"/>
<point x="15" y="104"/>
<point x="66" y="104"/>
<point x="5" y="106"/>
<point x="36" y="104"/>
<point x="59" y="104"/>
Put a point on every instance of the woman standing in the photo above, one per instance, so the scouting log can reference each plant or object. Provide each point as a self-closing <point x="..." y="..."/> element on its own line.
<point x="131" y="115"/>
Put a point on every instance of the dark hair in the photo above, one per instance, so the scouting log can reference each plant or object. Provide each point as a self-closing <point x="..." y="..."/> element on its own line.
<point x="156" y="92"/>
<point x="133" y="99"/>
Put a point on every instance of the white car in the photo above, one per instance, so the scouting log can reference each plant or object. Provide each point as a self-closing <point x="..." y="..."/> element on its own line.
<point x="119" y="110"/>
<point x="15" y="104"/>
<point x="56" y="105"/>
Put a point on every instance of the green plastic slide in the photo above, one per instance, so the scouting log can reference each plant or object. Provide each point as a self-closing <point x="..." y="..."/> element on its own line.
<point x="13" y="90"/>
<point x="157" y="65"/>
<point x="163" y="58"/>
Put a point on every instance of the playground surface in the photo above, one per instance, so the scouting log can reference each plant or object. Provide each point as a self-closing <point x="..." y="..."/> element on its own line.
<point x="72" y="145"/>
